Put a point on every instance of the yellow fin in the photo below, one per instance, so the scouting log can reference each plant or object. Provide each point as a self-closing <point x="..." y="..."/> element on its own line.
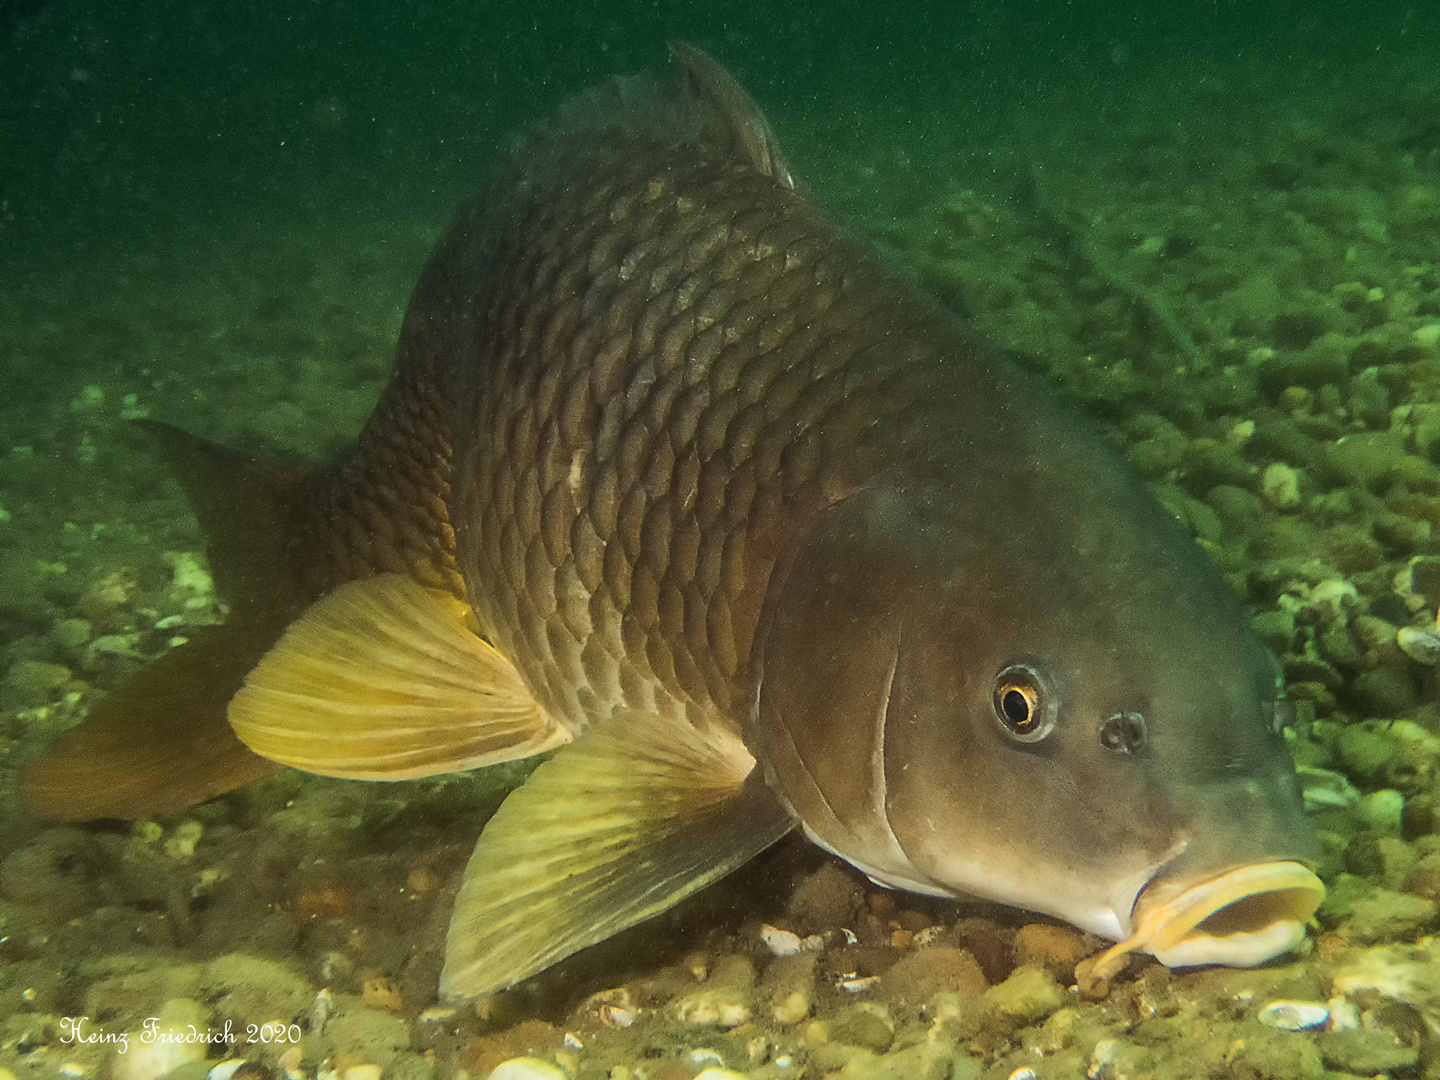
<point x="383" y="679"/>
<point x="634" y="816"/>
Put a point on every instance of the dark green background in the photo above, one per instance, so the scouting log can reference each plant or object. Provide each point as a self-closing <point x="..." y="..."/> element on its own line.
<point x="118" y="114"/>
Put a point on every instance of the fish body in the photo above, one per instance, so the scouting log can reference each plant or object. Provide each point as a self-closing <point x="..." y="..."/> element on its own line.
<point x="677" y="476"/>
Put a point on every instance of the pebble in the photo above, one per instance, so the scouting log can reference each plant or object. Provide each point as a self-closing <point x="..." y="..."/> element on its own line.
<point x="922" y="974"/>
<point x="1280" y="486"/>
<point x="1420" y="644"/>
<point x="361" y="1072"/>
<point x="1383" y="811"/>
<point x="789" y="984"/>
<point x="33" y="682"/>
<point x="1384" y="915"/>
<point x="526" y="1068"/>
<point x="1366" y="1053"/>
<point x="1028" y="996"/>
<point x="867" y="1024"/>
<point x="149" y="1057"/>
<point x="225" y="1070"/>
<point x="714" y="1073"/>
<point x="1294" y="1015"/>
<point x="1057" y="949"/>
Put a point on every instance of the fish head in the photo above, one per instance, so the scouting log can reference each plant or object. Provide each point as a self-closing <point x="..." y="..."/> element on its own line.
<point x="1072" y="717"/>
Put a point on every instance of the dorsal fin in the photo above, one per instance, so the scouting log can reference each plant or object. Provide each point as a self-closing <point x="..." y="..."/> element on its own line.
<point x="696" y="102"/>
<point x="727" y="114"/>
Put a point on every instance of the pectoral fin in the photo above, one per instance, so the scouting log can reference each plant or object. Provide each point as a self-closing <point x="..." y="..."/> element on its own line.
<point x="384" y="679"/>
<point x="635" y="815"/>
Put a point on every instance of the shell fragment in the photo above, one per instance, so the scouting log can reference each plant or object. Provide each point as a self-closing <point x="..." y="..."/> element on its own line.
<point x="1294" y="1015"/>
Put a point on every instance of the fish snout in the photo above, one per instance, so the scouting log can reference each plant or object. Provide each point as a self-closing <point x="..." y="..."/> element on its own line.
<point x="1240" y="917"/>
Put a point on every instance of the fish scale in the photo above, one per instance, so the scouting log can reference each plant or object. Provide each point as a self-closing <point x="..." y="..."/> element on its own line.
<point x="667" y="360"/>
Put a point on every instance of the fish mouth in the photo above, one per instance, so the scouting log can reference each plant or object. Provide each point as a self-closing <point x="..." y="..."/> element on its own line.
<point x="1239" y="918"/>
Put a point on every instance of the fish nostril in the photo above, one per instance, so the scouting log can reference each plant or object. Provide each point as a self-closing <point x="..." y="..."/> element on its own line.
<point x="1124" y="733"/>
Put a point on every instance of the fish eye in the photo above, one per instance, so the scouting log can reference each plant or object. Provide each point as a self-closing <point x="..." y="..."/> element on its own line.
<point x="1124" y="733"/>
<point x="1022" y="706"/>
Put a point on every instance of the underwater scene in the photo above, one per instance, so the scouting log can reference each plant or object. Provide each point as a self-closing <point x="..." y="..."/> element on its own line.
<point x="706" y="541"/>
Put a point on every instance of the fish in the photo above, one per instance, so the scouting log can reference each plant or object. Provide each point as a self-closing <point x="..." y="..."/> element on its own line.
<point x="679" y="482"/>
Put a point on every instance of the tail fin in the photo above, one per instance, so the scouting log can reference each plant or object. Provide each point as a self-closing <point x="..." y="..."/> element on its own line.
<point x="161" y="741"/>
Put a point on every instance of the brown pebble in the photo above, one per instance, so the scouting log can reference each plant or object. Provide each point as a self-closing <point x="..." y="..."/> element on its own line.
<point x="1090" y="987"/>
<point x="1057" y="949"/>
<point x="914" y="921"/>
<point x="990" y="946"/>
<point x="1421" y="816"/>
<point x="789" y="986"/>
<point x="1424" y="879"/>
<point x="1330" y="948"/>
<point x="380" y="992"/>
<point x="529" y="1038"/>
<point x="825" y="900"/>
<point x="918" y="977"/>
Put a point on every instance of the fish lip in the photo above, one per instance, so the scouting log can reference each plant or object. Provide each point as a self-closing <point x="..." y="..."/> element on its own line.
<point x="1168" y="917"/>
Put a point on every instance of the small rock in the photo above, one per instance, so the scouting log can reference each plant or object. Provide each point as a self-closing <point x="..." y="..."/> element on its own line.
<point x="1363" y="753"/>
<point x="1387" y="858"/>
<point x="725" y="1000"/>
<point x="1383" y="692"/>
<point x="1384" y="916"/>
<point x="1116" y="1059"/>
<point x="789" y="986"/>
<point x="1028" y="996"/>
<point x="1424" y="878"/>
<point x="526" y="1068"/>
<point x="32" y="682"/>
<point x="71" y="634"/>
<point x="150" y="1056"/>
<point x="523" y="1041"/>
<point x="1280" y="486"/>
<point x="1382" y="811"/>
<point x="1365" y="1053"/>
<point x="867" y="1024"/>
<point x="1057" y="949"/>
<point x="920" y="975"/>
<point x="825" y="899"/>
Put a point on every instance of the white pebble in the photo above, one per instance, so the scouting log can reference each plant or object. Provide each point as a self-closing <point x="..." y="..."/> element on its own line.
<point x="713" y="1073"/>
<point x="526" y="1068"/>
<point x="1294" y="1015"/>
<point x="1421" y="645"/>
<point x="73" y="1070"/>
<point x="361" y="1072"/>
<point x="1343" y="1015"/>
<point x="1022" y="1074"/>
<point x="779" y="942"/>
<point x="1280" y="486"/>
<point x="225" y="1069"/>
<point x="858" y="985"/>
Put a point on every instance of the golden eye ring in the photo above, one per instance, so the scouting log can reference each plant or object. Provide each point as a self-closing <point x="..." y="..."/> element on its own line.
<point x="1023" y="708"/>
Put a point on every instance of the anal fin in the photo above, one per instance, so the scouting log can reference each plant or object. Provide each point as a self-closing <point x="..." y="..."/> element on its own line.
<point x="631" y="818"/>
<point x="384" y="679"/>
<point x="159" y="742"/>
